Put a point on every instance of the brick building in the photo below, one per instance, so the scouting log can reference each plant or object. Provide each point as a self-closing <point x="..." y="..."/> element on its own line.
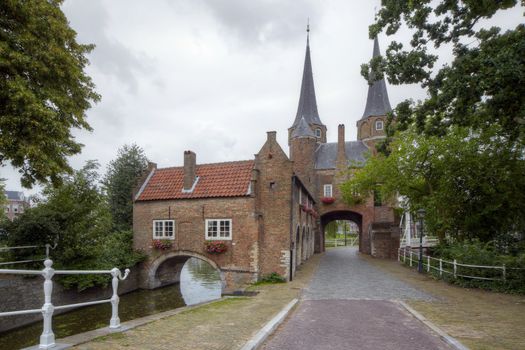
<point x="16" y="204"/>
<point x="269" y="211"/>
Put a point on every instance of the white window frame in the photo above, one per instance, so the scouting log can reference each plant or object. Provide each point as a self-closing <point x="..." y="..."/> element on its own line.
<point x="318" y="132"/>
<point x="300" y="196"/>
<point x="163" y="235"/>
<point x="328" y="190"/>
<point x="379" y="122"/>
<point x="218" y="238"/>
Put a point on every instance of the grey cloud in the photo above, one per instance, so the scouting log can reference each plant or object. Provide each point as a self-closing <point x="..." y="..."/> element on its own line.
<point x="253" y="22"/>
<point x="110" y="57"/>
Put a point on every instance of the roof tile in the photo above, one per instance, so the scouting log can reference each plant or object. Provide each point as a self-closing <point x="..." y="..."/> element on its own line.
<point x="229" y="179"/>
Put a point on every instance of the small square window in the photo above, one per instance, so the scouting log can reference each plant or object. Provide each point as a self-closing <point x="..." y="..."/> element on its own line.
<point x="317" y="132"/>
<point x="218" y="229"/>
<point x="379" y="125"/>
<point x="163" y="229"/>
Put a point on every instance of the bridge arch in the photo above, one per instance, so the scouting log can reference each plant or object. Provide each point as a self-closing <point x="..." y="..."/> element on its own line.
<point x="176" y="260"/>
<point x="349" y="215"/>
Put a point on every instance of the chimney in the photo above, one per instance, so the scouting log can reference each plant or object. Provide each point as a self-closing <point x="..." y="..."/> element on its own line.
<point x="341" y="151"/>
<point x="190" y="160"/>
<point x="271" y="135"/>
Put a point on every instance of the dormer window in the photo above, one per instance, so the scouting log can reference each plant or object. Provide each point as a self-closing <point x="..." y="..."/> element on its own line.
<point x="379" y="125"/>
<point x="317" y="132"/>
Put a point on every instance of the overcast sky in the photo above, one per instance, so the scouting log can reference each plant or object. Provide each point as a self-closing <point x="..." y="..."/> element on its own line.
<point x="213" y="76"/>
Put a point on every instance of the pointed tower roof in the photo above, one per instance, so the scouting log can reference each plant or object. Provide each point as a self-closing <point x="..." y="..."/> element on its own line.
<point x="302" y="129"/>
<point x="307" y="108"/>
<point x="377" y="102"/>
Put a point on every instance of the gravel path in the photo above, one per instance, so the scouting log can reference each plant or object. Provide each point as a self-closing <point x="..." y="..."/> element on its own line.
<point x="342" y="274"/>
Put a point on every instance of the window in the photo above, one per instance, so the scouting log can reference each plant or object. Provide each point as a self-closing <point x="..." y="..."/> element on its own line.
<point x="218" y="229"/>
<point x="378" y="201"/>
<point x="164" y="229"/>
<point x="379" y="125"/>
<point x="317" y="132"/>
<point x="15" y="208"/>
<point x="300" y="196"/>
<point x="327" y="190"/>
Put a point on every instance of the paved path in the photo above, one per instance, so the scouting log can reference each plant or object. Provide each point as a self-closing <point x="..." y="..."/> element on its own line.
<point x="349" y="305"/>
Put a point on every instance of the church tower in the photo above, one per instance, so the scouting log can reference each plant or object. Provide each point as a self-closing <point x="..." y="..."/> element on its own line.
<point x="307" y="107"/>
<point x="307" y="130"/>
<point x="371" y="126"/>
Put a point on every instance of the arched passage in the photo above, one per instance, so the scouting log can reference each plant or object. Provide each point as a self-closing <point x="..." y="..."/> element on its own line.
<point x="166" y="268"/>
<point x="341" y="215"/>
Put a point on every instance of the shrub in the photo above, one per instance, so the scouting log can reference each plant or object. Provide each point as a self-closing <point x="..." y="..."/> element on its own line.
<point x="273" y="277"/>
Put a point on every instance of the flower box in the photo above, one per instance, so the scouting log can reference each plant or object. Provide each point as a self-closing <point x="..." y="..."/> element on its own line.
<point x="327" y="200"/>
<point x="162" y="244"/>
<point x="215" y="247"/>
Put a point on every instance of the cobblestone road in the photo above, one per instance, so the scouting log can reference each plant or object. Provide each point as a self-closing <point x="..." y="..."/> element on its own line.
<point x="342" y="274"/>
<point x="348" y="305"/>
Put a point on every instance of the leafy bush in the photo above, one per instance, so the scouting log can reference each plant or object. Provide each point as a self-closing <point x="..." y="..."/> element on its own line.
<point x="482" y="254"/>
<point x="273" y="277"/>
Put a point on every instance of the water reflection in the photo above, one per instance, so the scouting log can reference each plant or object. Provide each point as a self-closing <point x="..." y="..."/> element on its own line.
<point x="199" y="282"/>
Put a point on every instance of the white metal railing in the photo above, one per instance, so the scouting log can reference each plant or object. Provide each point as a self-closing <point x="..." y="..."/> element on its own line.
<point x="6" y="249"/>
<point x="440" y="266"/>
<point x="47" y="339"/>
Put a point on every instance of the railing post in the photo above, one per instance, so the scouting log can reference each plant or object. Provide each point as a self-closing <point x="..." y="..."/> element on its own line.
<point x="455" y="268"/>
<point x="47" y="339"/>
<point x="428" y="263"/>
<point x="441" y="267"/>
<point x="115" y="320"/>
<point x="399" y="254"/>
<point x="504" y="271"/>
<point x="410" y="256"/>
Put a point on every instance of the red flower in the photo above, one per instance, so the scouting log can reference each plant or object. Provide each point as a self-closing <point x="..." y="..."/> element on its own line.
<point x="327" y="200"/>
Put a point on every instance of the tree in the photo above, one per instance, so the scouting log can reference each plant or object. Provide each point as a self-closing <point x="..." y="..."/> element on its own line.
<point x="44" y="91"/>
<point x="482" y="86"/>
<point x="76" y="216"/>
<point x="120" y="180"/>
<point x="467" y="182"/>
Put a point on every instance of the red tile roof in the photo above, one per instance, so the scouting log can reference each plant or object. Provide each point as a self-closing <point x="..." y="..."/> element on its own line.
<point x="230" y="179"/>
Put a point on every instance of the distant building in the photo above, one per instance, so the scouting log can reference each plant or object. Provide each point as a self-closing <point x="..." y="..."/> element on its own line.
<point x="16" y="204"/>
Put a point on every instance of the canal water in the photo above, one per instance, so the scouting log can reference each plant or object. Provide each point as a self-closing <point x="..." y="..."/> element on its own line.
<point x="199" y="282"/>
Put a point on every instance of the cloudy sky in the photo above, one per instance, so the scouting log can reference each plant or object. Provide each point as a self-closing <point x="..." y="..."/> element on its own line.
<point x="214" y="75"/>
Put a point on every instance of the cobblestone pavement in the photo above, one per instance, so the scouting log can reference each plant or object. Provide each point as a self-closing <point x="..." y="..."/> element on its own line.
<point x="348" y="305"/>
<point x="342" y="274"/>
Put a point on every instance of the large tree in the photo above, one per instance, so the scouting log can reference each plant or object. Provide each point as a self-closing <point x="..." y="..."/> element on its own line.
<point x="44" y="91"/>
<point x="484" y="84"/>
<point x="120" y="181"/>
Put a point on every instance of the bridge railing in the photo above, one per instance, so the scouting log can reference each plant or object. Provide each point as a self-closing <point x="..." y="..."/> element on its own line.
<point x="340" y="242"/>
<point x="455" y="269"/>
<point x="7" y="249"/>
<point x="47" y="339"/>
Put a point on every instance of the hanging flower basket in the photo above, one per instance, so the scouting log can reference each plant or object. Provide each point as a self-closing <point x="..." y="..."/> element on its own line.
<point x="304" y="207"/>
<point x="327" y="200"/>
<point x="162" y="244"/>
<point x="215" y="247"/>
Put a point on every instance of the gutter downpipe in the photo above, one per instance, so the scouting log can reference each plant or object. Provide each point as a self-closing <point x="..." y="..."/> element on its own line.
<point x="292" y="201"/>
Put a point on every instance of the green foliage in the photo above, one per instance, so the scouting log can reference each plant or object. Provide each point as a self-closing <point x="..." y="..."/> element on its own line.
<point x="76" y="216"/>
<point x="44" y="91"/>
<point x="484" y="85"/>
<point x="271" y="278"/>
<point x="467" y="181"/>
<point x="119" y="182"/>
<point x="483" y="254"/>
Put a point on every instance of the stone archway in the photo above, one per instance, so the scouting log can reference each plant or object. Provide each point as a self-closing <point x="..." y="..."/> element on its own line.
<point x="356" y="217"/>
<point x="166" y="268"/>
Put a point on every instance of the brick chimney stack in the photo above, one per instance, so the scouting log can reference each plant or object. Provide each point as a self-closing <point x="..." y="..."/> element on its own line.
<point x="190" y="163"/>
<point x="341" y="161"/>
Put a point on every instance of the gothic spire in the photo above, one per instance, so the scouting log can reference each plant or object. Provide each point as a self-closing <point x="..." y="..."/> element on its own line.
<point x="307" y="108"/>
<point x="377" y="102"/>
<point x="302" y="129"/>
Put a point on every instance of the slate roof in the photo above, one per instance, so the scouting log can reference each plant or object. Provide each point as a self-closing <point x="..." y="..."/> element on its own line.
<point x="229" y="179"/>
<point x="15" y="195"/>
<point x="326" y="154"/>
<point x="307" y="108"/>
<point x="377" y="102"/>
<point x="302" y="130"/>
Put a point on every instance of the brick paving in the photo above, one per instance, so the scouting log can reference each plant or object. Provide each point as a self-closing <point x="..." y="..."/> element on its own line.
<point x="348" y="305"/>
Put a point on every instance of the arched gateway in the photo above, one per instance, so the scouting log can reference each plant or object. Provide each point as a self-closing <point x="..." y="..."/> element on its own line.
<point x="349" y="215"/>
